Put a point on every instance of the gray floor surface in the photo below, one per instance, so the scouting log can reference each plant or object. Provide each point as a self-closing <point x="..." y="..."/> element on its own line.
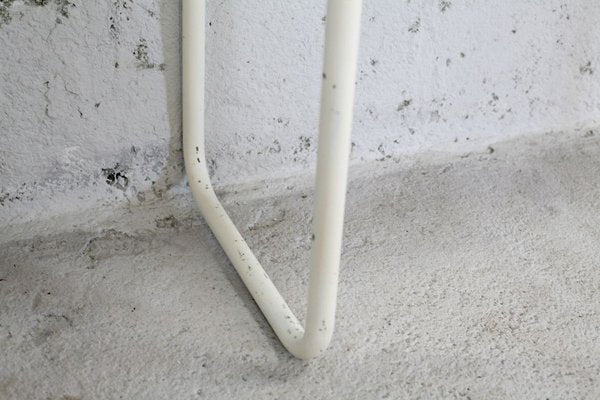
<point x="468" y="277"/>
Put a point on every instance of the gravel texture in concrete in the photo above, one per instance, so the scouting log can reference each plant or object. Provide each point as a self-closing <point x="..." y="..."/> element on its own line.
<point x="472" y="276"/>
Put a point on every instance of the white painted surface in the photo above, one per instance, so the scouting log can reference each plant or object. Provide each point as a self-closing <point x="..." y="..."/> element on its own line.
<point x="433" y="75"/>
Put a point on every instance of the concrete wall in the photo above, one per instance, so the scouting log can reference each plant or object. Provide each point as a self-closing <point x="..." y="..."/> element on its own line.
<point x="90" y="90"/>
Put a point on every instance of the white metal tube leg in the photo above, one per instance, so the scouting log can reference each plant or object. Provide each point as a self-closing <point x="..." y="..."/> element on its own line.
<point x="341" y="47"/>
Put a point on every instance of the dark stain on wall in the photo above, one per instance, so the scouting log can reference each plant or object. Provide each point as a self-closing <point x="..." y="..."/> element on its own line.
<point x="63" y="7"/>
<point x="120" y="12"/>
<point x="19" y="194"/>
<point x="141" y="55"/>
<point x="586" y="69"/>
<point x="415" y="27"/>
<point x="405" y="103"/>
<point x="116" y="177"/>
<point x="444" y="5"/>
<point x="5" y="16"/>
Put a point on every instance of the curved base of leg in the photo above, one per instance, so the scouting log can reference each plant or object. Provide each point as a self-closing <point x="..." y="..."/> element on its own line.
<point x="341" y="47"/>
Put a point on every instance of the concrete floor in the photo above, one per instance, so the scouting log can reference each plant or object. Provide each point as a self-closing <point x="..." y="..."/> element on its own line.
<point x="473" y="276"/>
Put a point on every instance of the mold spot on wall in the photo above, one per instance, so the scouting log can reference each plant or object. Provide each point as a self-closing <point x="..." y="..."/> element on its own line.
<point x="142" y="57"/>
<point x="381" y="150"/>
<point x="4" y="197"/>
<point x="114" y="31"/>
<point x="586" y="69"/>
<point x="63" y="7"/>
<point x="5" y="16"/>
<point x="276" y="148"/>
<point x="304" y="143"/>
<point x="116" y="177"/>
<point x="19" y="194"/>
<point x="280" y="120"/>
<point x="444" y="5"/>
<point x="120" y="12"/>
<point x="414" y="28"/>
<point x="303" y="146"/>
<point x="405" y="103"/>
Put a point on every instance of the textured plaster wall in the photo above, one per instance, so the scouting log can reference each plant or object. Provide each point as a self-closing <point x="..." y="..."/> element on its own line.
<point x="90" y="90"/>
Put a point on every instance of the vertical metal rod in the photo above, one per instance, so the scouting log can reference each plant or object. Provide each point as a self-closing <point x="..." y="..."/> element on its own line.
<point x="337" y="96"/>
